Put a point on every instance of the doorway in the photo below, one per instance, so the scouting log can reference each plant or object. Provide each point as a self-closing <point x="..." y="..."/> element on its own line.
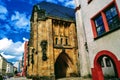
<point x="103" y="60"/>
<point x="108" y="67"/>
<point x="61" y="65"/>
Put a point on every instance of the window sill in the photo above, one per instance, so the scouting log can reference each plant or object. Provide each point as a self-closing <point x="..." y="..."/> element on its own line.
<point x="63" y="46"/>
<point x="106" y="33"/>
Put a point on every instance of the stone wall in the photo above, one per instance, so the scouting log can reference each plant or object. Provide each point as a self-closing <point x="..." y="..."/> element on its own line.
<point x="43" y="50"/>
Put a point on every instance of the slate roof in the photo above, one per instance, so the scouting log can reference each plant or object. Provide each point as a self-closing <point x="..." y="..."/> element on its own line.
<point x="57" y="11"/>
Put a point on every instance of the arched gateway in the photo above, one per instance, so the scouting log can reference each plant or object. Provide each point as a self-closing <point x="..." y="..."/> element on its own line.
<point x="62" y="63"/>
<point x="111" y="59"/>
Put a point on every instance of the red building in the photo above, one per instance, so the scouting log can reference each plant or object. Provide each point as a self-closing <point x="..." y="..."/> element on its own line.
<point x="25" y="58"/>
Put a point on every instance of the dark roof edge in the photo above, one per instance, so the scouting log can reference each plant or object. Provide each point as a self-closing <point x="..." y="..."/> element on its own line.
<point x="54" y="4"/>
<point x="50" y="16"/>
<point x="61" y="19"/>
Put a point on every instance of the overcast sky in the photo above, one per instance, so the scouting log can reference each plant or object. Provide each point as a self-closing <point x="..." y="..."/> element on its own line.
<point x="15" y="25"/>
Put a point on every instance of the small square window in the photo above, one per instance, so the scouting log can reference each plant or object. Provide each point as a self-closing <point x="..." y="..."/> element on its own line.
<point x="108" y="64"/>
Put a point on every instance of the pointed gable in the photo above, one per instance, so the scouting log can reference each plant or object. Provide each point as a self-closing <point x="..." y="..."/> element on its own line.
<point x="55" y="11"/>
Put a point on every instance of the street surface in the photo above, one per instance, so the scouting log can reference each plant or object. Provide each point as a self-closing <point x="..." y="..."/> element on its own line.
<point x="18" y="78"/>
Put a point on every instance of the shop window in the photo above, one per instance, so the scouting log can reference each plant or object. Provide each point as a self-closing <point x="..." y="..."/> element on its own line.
<point x="107" y="20"/>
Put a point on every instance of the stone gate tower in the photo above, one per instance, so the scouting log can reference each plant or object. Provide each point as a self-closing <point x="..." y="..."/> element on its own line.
<point x="52" y="48"/>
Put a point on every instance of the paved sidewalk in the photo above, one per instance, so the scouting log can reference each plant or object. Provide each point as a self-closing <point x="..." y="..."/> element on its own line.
<point x="18" y="78"/>
<point x="74" y="78"/>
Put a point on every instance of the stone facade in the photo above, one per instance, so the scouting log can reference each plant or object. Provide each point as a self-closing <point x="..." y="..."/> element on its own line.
<point x="98" y="46"/>
<point x="3" y="65"/>
<point x="9" y="68"/>
<point x="52" y="48"/>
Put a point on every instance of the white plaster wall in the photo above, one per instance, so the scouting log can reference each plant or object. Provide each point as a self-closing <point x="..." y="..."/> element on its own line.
<point x="83" y="54"/>
<point x="118" y="3"/>
<point x="1" y="60"/>
<point x="9" y="68"/>
<point x="110" y="42"/>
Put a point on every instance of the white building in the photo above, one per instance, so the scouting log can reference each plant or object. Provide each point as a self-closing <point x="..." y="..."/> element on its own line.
<point x="3" y="64"/>
<point x="18" y="65"/>
<point x="9" y="68"/>
<point x="98" y="29"/>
